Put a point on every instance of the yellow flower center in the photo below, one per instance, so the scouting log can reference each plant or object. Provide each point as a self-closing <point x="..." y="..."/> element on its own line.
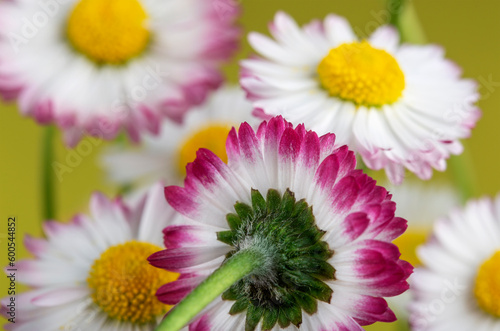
<point x="487" y="287"/>
<point x="108" y="32"/>
<point x="408" y="243"/>
<point x="212" y="137"/>
<point x="362" y="74"/>
<point x="124" y="284"/>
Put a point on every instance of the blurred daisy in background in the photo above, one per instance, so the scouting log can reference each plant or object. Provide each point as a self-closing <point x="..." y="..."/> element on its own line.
<point x="97" y="67"/>
<point x="165" y="156"/>
<point x="420" y="204"/>
<point x="318" y="231"/>
<point x="93" y="273"/>
<point x="459" y="286"/>
<point x="398" y="106"/>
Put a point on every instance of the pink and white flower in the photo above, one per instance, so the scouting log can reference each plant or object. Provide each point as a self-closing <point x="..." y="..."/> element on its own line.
<point x="354" y="218"/>
<point x="95" y="67"/>
<point x="458" y="287"/>
<point x="397" y="105"/>
<point x="87" y="270"/>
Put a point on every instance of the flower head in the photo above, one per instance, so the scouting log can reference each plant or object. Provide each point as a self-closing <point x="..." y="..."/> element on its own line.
<point x="398" y="106"/>
<point x="459" y="286"/>
<point x="322" y="229"/>
<point x="92" y="273"/>
<point x="97" y="67"/>
<point x="165" y="157"/>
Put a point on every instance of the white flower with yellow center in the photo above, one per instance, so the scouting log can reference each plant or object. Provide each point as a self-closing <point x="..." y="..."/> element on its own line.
<point x="97" y="67"/>
<point x="398" y="106"/>
<point x="93" y="273"/>
<point x="165" y="157"/>
<point x="459" y="286"/>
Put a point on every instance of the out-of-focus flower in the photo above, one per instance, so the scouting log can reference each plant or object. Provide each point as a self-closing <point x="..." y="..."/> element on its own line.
<point x="165" y="157"/>
<point x="459" y="286"/>
<point x="323" y="229"/>
<point x="97" y="67"/>
<point x="396" y="105"/>
<point x="93" y="273"/>
<point x="420" y="204"/>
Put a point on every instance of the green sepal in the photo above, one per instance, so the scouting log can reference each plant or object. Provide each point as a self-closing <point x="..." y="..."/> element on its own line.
<point x="258" y="203"/>
<point x="294" y="314"/>
<point x="307" y="302"/>
<point x="254" y="314"/>
<point x="287" y="203"/>
<point x="270" y="319"/>
<point x="226" y="237"/>
<point x="244" y="211"/>
<point x="239" y="306"/>
<point x="300" y="206"/>
<point x="234" y="221"/>
<point x="316" y="267"/>
<point x="283" y="319"/>
<point x="308" y="284"/>
<point x="230" y="294"/>
<point x="273" y="200"/>
<point x="320" y="250"/>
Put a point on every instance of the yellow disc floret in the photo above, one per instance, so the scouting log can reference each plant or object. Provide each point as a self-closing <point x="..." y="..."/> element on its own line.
<point x="212" y="137"/>
<point x="487" y="287"/>
<point x="362" y="74"/>
<point x="108" y="32"/>
<point x="124" y="284"/>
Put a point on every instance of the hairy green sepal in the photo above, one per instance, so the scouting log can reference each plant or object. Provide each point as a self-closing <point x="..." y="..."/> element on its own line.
<point x="291" y="279"/>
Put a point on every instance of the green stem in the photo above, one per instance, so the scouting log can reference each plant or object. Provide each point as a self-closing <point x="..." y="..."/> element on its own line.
<point x="462" y="169"/>
<point x="395" y="8"/>
<point x="404" y="17"/>
<point x="47" y="176"/>
<point x="235" y="268"/>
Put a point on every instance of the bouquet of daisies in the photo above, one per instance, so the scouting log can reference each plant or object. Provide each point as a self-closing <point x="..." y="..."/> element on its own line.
<point x="249" y="206"/>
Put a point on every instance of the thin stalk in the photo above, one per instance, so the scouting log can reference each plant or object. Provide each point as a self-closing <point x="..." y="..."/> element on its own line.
<point x="395" y="8"/>
<point x="47" y="176"/>
<point x="462" y="169"/>
<point x="409" y="25"/>
<point x="235" y="268"/>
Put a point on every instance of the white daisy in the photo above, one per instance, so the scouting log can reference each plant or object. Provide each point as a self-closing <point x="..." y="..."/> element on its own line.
<point x="96" y="67"/>
<point x="165" y="156"/>
<point x="92" y="273"/>
<point x="396" y="105"/>
<point x="459" y="286"/>
<point x="317" y="231"/>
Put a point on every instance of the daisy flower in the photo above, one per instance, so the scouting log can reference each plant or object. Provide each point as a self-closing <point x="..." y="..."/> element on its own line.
<point x="315" y="234"/>
<point x="92" y="273"/>
<point x="398" y="106"/>
<point x="97" y="67"/>
<point x="165" y="156"/>
<point x="459" y="286"/>
<point x="421" y="204"/>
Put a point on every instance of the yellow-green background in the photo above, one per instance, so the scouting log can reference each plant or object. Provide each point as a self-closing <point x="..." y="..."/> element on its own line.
<point x="468" y="29"/>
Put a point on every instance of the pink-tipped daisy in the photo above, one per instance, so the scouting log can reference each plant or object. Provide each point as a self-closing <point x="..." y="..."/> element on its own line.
<point x="318" y="230"/>
<point x="97" y="67"/>
<point x="397" y="105"/>
<point x="459" y="286"/>
<point x="93" y="273"/>
<point x="164" y="157"/>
